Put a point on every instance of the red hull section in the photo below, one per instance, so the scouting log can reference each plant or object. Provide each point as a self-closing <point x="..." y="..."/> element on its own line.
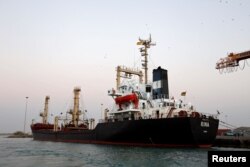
<point x="39" y="126"/>
<point x="135" y="144"/>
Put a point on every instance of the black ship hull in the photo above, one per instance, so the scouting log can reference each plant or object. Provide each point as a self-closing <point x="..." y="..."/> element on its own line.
<point x="165" y="132"/>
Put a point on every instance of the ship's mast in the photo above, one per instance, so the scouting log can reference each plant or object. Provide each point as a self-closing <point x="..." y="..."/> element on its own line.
<point x="144" y="53"/>
<point x="75" y="114"/>
<point x="44" y="115"/>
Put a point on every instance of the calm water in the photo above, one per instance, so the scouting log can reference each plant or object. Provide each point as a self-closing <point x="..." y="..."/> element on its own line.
<point x="29" y="153"/>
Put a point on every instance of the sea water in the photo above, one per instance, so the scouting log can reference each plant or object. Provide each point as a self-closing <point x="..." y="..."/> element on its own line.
<point x="25" y="152"/>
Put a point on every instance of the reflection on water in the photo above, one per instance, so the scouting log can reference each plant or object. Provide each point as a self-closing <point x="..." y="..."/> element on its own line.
<point x="27" y="153"/>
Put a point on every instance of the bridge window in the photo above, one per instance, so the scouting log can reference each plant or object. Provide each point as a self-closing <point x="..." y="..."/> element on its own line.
<point x="148" y="89"/>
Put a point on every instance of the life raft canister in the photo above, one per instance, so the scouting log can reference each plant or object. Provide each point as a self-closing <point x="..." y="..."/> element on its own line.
<point x="195" y="114"/>
<point x="183" y="113"/>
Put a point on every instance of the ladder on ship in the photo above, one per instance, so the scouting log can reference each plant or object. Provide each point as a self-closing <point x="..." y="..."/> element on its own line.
<point x="170" y="112"/>
<point x="150" y="103"/>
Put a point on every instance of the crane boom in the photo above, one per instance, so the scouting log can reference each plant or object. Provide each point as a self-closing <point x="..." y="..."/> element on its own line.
<point x="232" y="60"/>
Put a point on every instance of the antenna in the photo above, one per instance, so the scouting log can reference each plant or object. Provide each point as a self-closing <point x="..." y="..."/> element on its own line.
<point x="144" y="53"/>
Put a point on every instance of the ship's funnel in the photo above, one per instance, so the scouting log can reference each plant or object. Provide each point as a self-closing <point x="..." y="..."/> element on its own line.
<point x="160" y="83"/>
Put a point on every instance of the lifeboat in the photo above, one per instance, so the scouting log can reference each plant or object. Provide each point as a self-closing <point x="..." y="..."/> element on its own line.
<point x="127" y="99"/>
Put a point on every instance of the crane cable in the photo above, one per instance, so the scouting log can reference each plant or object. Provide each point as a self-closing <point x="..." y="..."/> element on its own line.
<point x="234" y="69"/>
<point x="247" y="63"/>
<point x="244" y="62"/>
<point x="227" y="125"/>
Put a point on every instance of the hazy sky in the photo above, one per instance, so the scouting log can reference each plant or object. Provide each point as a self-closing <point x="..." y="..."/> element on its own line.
<point x="48" y="47"/>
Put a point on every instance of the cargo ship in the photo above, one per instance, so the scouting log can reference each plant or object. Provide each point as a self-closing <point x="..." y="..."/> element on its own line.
<point x="143" y="114"/>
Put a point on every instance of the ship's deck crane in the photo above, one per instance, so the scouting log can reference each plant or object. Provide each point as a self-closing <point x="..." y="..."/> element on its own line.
<point x="231" y="62"/>
<point x="44" y="114"/>
<point x="127" y="74"/>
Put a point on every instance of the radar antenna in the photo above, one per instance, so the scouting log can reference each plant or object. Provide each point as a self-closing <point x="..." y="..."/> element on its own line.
<point x="144" y="53"/>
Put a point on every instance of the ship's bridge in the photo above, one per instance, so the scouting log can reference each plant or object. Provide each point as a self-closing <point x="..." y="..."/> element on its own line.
<point x="130" y="114"/>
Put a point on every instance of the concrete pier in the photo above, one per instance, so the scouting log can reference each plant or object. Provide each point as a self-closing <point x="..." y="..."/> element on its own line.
<point x="232" y="141"/>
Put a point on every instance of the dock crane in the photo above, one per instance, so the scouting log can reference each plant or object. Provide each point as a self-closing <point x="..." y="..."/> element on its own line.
<point x="231" y="62"/>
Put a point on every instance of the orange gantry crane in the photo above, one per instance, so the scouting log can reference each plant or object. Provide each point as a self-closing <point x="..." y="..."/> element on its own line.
<point x="231" y="62"/>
